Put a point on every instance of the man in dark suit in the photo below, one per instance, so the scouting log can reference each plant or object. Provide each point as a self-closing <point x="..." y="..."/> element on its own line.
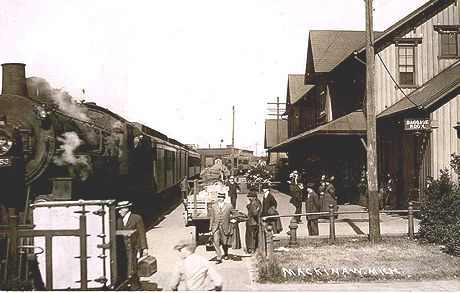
<point x="254" y="207"/>
<point x="220" y="226"/>
<point x="312" y="206"/>
<point x="130" y="221"/>
<point x="233" y="189"/>
<point x="269" y="205"/>
<point x="296" y="194"/>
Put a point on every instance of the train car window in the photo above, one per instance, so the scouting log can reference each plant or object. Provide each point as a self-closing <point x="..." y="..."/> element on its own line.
<point x="161" y="169"/>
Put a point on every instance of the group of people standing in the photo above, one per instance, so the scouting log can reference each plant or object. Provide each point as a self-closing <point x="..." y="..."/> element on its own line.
<point x="301" y="192"/>
<point x="224" y="218"/>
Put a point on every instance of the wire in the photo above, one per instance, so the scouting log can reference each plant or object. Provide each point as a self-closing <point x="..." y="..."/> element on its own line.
<point x="399" y="87"/>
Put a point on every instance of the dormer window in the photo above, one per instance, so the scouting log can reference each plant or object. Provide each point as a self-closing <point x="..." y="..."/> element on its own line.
<point x="448" y="40"/>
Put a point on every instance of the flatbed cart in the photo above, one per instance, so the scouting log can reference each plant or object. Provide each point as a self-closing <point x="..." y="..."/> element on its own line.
<point x="197" y="205"/>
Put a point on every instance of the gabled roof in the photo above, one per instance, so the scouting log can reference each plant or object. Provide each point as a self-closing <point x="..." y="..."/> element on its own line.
<point x="270" y="132"/>
<point x="331" y="47"/>
<point x="351" y="124"/>
<point x="296" y="87"/>
<point x="439" y="87"/>
<point x="402" y="27"/>
<point x="405" y="25"/>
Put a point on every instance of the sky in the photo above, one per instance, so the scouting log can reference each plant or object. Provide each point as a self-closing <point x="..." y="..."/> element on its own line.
<point x="179" y="66"/>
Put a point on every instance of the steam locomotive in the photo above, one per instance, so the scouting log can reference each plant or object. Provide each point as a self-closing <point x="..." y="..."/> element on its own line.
<point x="53" y="147"/>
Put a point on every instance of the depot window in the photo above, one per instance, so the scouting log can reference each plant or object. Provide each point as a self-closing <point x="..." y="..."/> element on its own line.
<point x="406" y="64"/>
<point x="448" y="40"/>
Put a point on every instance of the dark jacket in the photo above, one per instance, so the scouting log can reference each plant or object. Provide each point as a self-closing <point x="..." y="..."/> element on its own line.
<point x="233" y="189"/>
<point x="267" y="203"/>
<point x="312" y="205"/>
<point x="296" y="195"/>
<point x="135" y="223"/>
<point x="329" y="197"/>
<point x="254" y="209"/>
<point x="269" y="206"/>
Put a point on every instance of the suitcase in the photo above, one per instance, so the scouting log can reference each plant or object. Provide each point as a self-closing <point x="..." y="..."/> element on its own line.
<point x="147" y="266"/>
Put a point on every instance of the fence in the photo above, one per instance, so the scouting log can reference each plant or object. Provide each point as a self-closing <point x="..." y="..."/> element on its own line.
<point x="266" y="247"/>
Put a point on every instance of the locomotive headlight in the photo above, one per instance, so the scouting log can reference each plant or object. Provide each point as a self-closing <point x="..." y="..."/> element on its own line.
<point x="5" y="144"/>
<point x="42" y="112"/>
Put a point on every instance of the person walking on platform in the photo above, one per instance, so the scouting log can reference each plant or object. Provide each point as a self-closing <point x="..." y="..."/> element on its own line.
<point x="131" y="221"/>
<point x="233" y="189"/>
<point x="329" y="194"/>
<point x="296" y="194"/>
<point x="193" y="270"/>
<point x="322" y="201"/>
<point x="269" y="206"/>
<point x="312" y="206"/>
<point x="220" y="226"/>
<point x="254" y="207"/>
<point x="184" y="188"/>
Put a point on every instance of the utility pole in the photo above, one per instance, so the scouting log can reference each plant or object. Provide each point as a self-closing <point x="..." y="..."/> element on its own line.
<point x="277" y="122"/>
<point x="233" y="143"/>
<point x="373" y="208"/>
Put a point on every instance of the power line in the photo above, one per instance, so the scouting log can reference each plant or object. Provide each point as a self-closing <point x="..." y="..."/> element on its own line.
<point x="396" y="83"/>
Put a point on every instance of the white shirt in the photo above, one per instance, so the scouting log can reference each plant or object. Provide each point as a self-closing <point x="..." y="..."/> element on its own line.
<point x="221" y="204"/>
<point x="126" y="218"/>
<point x="194" y="270"/>
<point x="266" y="194"/>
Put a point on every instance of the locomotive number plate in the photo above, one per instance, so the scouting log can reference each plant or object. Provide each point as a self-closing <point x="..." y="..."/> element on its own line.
<point x="5" y="162"/>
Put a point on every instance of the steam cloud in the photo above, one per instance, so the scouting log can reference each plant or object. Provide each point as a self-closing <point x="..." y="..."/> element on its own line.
<point x="79" y="167"/>
<point x="68" y="105"/>
<point x="40" y="88"/>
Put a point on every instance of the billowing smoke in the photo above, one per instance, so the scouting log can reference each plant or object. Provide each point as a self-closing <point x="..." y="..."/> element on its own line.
<point x="79" y="166"/>
<point x="40" y="89"/>
<point x="68" y="105"/>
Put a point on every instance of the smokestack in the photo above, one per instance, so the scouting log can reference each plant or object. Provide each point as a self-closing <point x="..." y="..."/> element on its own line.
<point x="14" y="79"/>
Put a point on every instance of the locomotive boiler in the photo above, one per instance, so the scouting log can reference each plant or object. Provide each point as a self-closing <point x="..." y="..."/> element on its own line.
<point x="52" y="147"/>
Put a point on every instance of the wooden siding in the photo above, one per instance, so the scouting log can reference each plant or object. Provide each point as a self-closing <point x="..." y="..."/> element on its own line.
<point x="444" y="139"/>
<point x="427" y="63"/>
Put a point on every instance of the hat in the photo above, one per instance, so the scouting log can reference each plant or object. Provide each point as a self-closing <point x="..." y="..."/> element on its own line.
<point x="123" y="204"/>
<point x="184" y="243"/>
<point x="294" y="172"/>
<point x="252" y="194"/>
<point x="221" y="194"/>
<point x="231" y="177"/>
<point x="310" y="185"/>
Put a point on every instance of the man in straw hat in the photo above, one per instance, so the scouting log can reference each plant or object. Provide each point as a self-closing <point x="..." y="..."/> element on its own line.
<point x="193" y="270"/>
<point x="131" y="221"/>
<point x="220" y="226"/>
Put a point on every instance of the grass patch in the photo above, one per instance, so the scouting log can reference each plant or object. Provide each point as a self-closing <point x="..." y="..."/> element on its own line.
<point x="354" y="260"/>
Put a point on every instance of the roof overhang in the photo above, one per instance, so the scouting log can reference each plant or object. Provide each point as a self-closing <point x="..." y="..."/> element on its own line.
<point x="351" y="124"/>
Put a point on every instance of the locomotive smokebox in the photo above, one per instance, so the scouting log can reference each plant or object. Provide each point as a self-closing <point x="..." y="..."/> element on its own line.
<point x="14" y="79"/>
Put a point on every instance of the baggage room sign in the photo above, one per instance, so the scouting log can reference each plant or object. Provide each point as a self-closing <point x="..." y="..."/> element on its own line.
<point x="417" y="124"/>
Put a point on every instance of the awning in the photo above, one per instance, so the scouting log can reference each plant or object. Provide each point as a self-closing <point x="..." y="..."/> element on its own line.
<point x="351" y="124"/>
